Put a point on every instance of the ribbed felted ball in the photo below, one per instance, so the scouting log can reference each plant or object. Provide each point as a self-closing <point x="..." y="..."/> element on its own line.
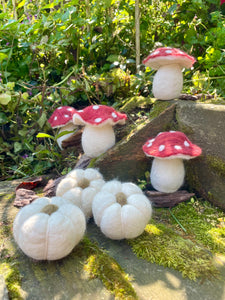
<point x="79" y="187"/>
<point x="49" y="228"/>
<point x="121" y="210"/>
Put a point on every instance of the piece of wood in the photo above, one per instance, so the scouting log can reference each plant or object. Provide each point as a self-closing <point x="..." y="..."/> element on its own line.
<point x="195" y="97"/>
<point x="160" y="199"/>
<point x="24" y="197"/>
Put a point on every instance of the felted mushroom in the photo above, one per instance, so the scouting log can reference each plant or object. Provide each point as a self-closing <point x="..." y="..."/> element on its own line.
<point x="168" y="80"/>
<point x="62" y="118"/>
<point x="169" y="149"/>
<point x="98" y="135"/>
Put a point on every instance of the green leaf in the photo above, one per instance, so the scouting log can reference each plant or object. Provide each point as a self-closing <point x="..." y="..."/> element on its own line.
<point x="5" y="99"/>
<point x="17" y="147"/>
<point x="22" y="132"/>
<point x="172" y="9"/>
<point x="3" y="118"/>
<point x="3" y="56"/>
<point x="51" y="5"/>
<point x="10" y="85"/>
<point x="25" y="96"/>
<point x="130" y="61"/>
<point x="44" y="135"/>
<point x="42" y="120"/>
<point x="63" y="133"/>
<point x="112" y="58"/>
<point x="21" y="4"/>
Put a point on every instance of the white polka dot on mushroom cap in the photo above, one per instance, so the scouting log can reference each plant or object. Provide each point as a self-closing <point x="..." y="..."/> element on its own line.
<point x="69" y="108"/>
<point x="168" y="51"/>
<point x="98" y="120"/>
<point x="81" y="110"/>
<point x="55" y="118"/>
<point x="66" y="116"/>
<point x="114" y="115"/>
<point x="186" y="144"/>
<point x="177" y="147"/>
<point x="150" y="142"/>
<point x="59" y="107"/>
<point x="161" y="148"/>
<point x="95" y="107"/>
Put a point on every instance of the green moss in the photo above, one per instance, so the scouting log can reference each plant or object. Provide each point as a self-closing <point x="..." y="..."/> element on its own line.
<point x="217" y="164"/>
<point x="161" y="245"/>
<point x="191" y="251"/>
<point x="99" y="264"/>
<point x="158" y="107"/>
<point x="200" y="219"/>
<point x="92" y="162"/>
<point x="139" y="102"/>
<point x="5" y="230"/>
<point x="12" y="278"/>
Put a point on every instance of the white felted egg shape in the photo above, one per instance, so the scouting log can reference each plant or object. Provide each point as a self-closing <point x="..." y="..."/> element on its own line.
<point x="49" y="228"/>
<point x="79" y="187"/>
<point x="121" y="210"/>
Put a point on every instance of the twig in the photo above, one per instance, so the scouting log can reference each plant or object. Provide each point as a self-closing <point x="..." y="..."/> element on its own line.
<point x="178" y="222"/>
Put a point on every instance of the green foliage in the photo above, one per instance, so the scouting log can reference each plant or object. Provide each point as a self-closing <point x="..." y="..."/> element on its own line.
<point x="78" y="52"/>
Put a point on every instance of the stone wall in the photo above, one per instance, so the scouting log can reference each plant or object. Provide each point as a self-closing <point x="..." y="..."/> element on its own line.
<point x="205" y="125"/>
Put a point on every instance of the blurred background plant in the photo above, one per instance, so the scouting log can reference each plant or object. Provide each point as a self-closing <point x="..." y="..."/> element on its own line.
<point x="77" y="52"/>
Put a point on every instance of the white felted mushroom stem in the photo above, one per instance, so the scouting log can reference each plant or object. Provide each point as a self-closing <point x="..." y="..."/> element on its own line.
<point x="167" y="175"/>
<point x="52" y="236"/>
<point x="68" y="127"/>
<point x="97" y="140"/>
<point x="168" y="82"/>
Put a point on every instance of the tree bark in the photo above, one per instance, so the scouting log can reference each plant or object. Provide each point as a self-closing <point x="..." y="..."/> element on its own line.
<point x="160" y="199"/>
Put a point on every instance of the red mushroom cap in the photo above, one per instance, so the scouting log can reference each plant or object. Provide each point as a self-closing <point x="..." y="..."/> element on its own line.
<point x="62" y="116"/>
<point x="171" y="144"/>
<point x="166" y="56"/>
<point x="98" y="115"/>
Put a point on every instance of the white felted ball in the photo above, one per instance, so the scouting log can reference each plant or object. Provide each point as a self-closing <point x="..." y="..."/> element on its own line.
<point x="121" y="210"/>
<point x="49" y="228"/>
<point x="80" y="186"/>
